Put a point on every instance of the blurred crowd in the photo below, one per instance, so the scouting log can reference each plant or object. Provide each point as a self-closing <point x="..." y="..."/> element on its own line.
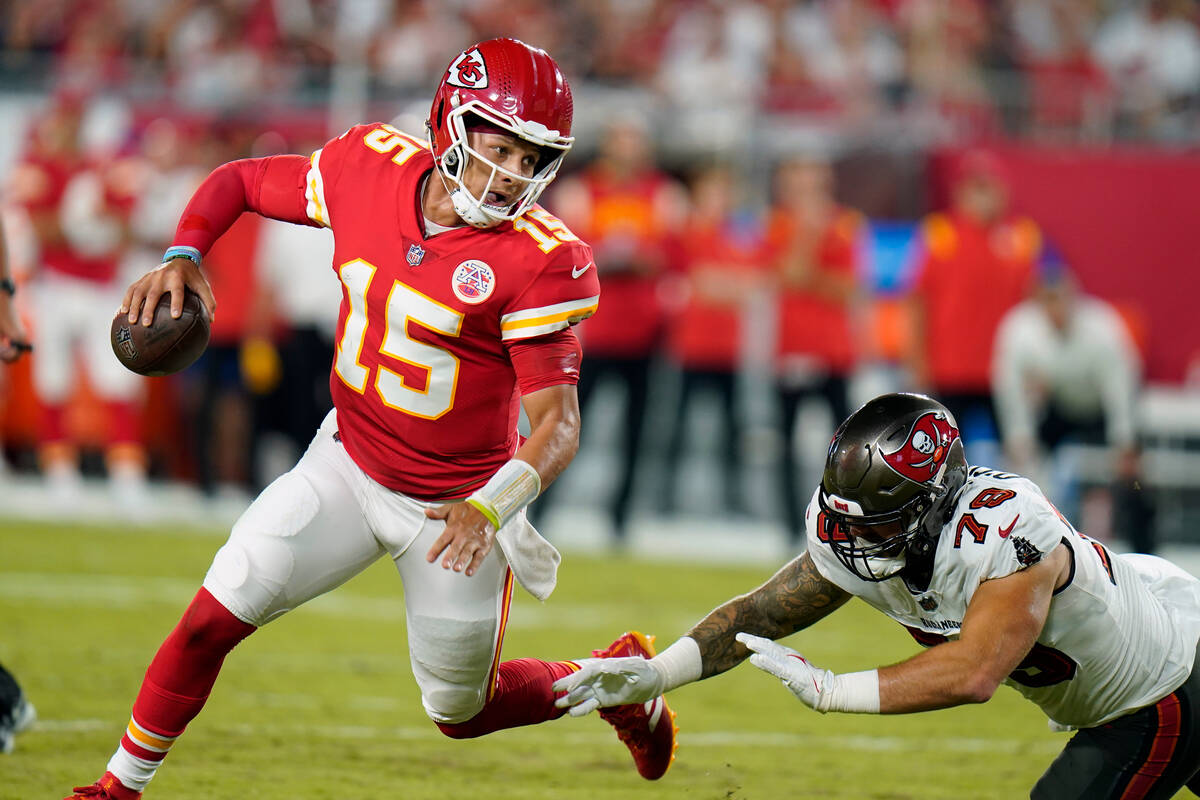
<point x="1096" y="69"/>
<point x="702" y="287"/>
<point x="755" y="294"/>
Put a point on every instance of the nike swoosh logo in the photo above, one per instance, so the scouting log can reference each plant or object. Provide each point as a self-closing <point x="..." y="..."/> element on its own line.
<point x="1004" y="532"/>
<point x="577" y="271"/>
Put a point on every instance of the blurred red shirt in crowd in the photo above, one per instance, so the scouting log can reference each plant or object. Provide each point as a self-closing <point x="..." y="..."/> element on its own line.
<point x="814" y="245"/>
<point x="977" y="261"/>
<point x="724" y="260"/>
<point x="53" y="164"/>
<point x="630" y="211"/>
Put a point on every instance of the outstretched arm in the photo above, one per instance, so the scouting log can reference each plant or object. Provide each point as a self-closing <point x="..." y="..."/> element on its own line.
<point x="272" y="187"/>
<point x="795" y="597"/>
<point x="1001" y="625"/>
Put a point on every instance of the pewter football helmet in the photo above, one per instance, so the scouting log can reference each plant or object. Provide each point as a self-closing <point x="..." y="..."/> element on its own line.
<point x="895" y="464"/>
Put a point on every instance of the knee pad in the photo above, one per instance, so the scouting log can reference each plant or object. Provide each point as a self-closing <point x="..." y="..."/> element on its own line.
<point x="249" y="578"/>
<point x="452" y="663"/>
<point x="250" y="573"/>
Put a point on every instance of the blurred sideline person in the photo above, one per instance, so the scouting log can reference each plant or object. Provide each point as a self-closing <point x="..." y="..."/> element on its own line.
<point x="14" y="339"/>
<point x="1066" y="370"/>
<point x="630" y="211"/>
<point x="223" y="409"/>
<point x="298" y="292"/>
<point x="817" y="258"/>
<point x="976" y="263"/>
<point x="16" y="712"/>
<point x="458" y="297"/>
<point x="79" y="212"/>
<point x="984" y="571"/>
<point x="722" y="266"/>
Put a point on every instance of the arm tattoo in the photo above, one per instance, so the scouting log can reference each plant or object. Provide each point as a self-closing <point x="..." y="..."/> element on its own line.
<point x="795" y="597"/>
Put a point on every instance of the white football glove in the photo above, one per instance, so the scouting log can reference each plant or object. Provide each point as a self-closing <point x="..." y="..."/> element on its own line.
<point x="604" y="682"/>
<point x="803" y="679"/>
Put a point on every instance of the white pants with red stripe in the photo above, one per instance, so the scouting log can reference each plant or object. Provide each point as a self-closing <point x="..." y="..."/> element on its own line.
<point x="325" y="521"/>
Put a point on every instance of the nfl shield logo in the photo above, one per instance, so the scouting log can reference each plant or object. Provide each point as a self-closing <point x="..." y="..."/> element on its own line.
<point x="415" y="254"/>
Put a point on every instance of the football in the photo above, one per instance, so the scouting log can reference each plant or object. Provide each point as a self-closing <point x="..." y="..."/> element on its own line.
<point x="167" y="345"/>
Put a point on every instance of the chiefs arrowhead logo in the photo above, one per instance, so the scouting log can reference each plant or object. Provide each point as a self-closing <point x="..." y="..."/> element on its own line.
<point x="468" y="71"/>
<point x="924" y="452"/>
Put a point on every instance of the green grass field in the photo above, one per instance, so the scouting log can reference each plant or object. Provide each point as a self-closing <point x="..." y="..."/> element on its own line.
<point x="321" y="703"/>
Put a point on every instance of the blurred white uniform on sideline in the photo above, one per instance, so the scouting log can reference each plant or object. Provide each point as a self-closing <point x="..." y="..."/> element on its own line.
<point x="74" y="314"/>
<point x="1089" y="370"/>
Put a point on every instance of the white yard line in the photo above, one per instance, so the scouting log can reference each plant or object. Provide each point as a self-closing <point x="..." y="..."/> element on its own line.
<point x="601" y="734"/>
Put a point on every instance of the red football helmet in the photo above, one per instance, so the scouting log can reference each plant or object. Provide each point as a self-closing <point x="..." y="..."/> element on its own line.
<point x="508" y="85"/>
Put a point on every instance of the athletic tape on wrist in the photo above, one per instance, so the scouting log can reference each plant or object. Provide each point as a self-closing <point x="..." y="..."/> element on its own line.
<point x="514" y="486"/>
<point x="679" y="664"/>
<point x="853" y="692"/>
<point x="181" y="251"/>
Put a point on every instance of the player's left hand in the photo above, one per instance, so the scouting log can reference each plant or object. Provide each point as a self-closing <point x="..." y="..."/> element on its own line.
<point x="802" y="678"/>
<point x="465" y="542"/>
<point x="606" y="682"/>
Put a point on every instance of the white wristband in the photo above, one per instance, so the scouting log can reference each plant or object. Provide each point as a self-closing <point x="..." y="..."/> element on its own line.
<point x="514" y="486"/>
<point x="679" y="664"/>
<point x="853" y="692"/>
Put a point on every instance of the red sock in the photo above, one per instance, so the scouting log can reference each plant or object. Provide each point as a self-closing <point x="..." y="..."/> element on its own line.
<point x="522" y="697"/>
<point x="183" y="672"/>
<point x="53" y="423"/>
<point x="124" y="423"/>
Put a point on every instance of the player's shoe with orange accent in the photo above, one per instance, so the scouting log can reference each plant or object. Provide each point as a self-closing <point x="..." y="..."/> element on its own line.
<point x="648" y="729"/>
<point x="107" y="788"/>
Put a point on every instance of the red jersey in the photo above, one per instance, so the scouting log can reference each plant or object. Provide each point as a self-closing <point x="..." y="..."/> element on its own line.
<point x="425" y="391"/>
<point x="707" y="331"/>
<point x="969" y="275"/>
<point x="39" y="185"/>
<point x="810" y="323"/>
<point x="625" y="224"/>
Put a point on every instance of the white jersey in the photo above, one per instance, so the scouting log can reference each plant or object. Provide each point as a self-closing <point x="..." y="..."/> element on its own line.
<point x="1121" y="633"/>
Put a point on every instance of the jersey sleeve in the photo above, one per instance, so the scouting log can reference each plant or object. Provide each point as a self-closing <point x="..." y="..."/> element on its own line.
<point x="565" y="291"/>
<point x="272" y="187"/>
<point x="325" y="167"/>
<point x="1021" y="529"/>
<point x="327" y="176"/>
<point x="544" y="361"/>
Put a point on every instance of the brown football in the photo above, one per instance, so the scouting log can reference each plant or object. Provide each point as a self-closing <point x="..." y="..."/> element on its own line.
<point x="167" y="345"/>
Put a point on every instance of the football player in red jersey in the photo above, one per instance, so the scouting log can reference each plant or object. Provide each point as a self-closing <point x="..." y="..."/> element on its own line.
<point x="458" y="293"/>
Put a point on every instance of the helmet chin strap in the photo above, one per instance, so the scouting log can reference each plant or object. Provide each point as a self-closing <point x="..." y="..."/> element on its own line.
<point x="467" y="208"/>
<point x="918" y="566"/>
<point x="471" y="212"/>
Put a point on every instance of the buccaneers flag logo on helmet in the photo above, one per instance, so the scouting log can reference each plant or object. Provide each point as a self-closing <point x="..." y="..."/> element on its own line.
<point x="924" y="452"/>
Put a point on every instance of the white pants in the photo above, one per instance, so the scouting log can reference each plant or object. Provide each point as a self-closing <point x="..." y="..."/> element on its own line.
<point x="74" y="319"/>
<point x="317" y="526"/>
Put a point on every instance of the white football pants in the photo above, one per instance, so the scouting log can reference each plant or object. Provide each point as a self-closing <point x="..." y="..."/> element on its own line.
<point x="325" y="521"/>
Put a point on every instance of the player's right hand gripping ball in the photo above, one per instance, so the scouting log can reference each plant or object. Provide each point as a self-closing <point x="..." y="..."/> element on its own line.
<point x="167" y="345"/>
